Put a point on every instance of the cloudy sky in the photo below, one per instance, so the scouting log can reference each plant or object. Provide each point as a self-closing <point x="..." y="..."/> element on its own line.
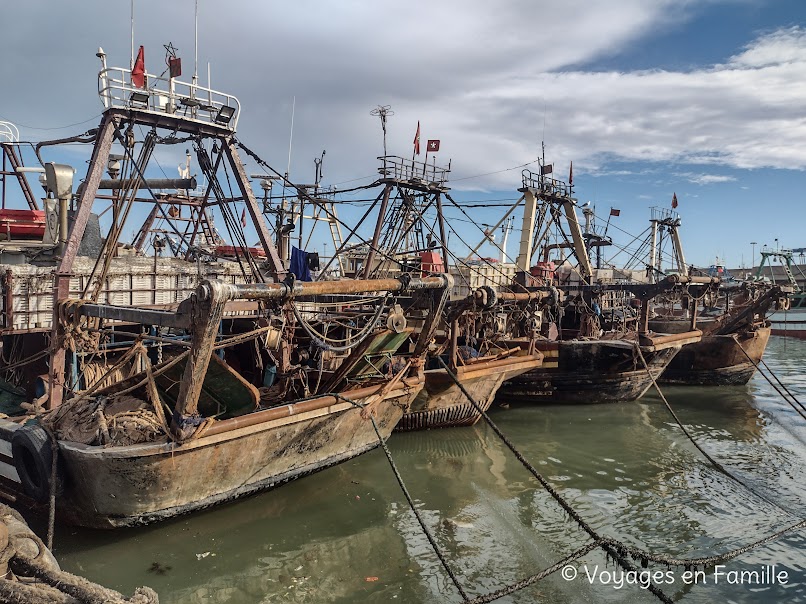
<point x="705" y="98"/>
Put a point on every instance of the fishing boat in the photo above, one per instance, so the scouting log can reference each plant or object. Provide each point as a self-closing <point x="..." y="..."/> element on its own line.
<point x="734" y="339"/>
<point x="461" y="381"/>
<point x="585" y="360"/>
<point x="595" y="371"/>
<point x="732" y="344"/>
<point x="164" y="378"/>
<point x="405" y="243"/>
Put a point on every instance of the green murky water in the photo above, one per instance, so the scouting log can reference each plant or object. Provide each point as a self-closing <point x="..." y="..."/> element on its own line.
<point x="347" y="534"/>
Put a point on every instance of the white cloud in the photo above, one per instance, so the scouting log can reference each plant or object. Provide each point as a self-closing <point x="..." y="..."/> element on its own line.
<point x="706" y="179"/>
<point x="491" y="80"/>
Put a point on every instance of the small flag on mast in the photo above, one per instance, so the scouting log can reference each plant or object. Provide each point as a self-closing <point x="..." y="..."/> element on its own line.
<point x="615" y="212"/>
<point x="547" y="169"/>
<point x="417" y="140"/>
<point x="175" y="67"/>
<point x="243" y="217"/>
<point x="433" y="146"/>
<point x="139" y="70"/>
<point x="674" y="200"/>
<point x="571" y="175"/>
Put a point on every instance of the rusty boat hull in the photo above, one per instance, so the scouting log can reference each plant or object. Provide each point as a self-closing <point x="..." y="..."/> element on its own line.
<point x="593" y="371"/>
<point x="442" y="404"/>
<point x="118" y="486"/>
<point x="718" y="360"/>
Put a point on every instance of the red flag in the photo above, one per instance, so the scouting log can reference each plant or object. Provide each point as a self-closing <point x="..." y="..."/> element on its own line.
<point x="417" y="140"/>
<point x="674" y="200"/>
<point x="433" y="146"/>
<point x="175" y="66"/>
<point x="615" y="212"/>
<point x="571" y="175"/>
<point x="243" y="218"/>
<point x="547" y="169"/>
<point x="139" y="70"/>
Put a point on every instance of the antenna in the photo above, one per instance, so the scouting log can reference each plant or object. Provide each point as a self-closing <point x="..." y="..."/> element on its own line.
<point x="195" y="49"/>
<point x="290" y="140"/>
<point x="383" y="111"/>
<point x="291" y="136"/>
<point x="318" y="176"/>
<point x="131" y="64"/>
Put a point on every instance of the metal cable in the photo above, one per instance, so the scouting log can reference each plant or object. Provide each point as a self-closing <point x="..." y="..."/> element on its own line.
<point x="321" y="340"/>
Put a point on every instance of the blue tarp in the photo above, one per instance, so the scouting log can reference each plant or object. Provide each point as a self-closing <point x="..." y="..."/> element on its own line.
<point x="299" y="264"/>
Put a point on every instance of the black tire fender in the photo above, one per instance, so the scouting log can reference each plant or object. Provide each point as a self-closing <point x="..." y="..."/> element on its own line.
<point x="491" y="295"/>
<point x="33" y="460"/>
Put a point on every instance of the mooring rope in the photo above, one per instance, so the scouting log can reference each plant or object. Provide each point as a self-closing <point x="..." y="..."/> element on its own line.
<point x="492" y="596"/>
<point x="706" y="561"/>
<point x="505" y="591"/>
<point x="614" y="547"/>
<point x="607" y="547"/>
<point x="54" y="451"/>
<point x="783" y="386"/>
<point x="705" y="454"/>
<point x="406" y="493"/>
<point x="769" y="381"/>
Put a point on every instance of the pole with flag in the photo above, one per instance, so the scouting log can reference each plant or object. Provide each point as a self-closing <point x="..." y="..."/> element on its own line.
<point x="613" y="212"/>
<point x="674" y="200"/>
<point x="432" y="146"/>
<point x="571" y="178"/>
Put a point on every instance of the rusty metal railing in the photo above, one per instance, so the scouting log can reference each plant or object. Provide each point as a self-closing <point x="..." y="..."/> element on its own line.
<point x="543" y="184"/>
<point x="413" y="171"/>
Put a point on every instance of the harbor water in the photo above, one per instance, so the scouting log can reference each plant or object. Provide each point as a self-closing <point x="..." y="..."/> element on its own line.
<point x="347" y="534"/>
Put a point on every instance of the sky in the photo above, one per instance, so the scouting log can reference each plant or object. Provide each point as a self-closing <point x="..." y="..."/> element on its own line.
<point x="705" y="99"/>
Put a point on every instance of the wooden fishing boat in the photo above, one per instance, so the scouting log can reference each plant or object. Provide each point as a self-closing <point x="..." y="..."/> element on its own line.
<point x="402" y="242"/>
<point x="584" y="360"/>
<point x="598" y="371"/>
<point x="442" y="403"/>
<point x="174" y="382"/>
<point x="790" y="324"/>
<point x="732" y="345"/>
<point x="734" y="341"/>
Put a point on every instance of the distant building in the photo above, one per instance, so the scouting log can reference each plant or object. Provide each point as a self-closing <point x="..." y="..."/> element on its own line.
<point x="774" y="272"/>
<point x="472" y="275"/>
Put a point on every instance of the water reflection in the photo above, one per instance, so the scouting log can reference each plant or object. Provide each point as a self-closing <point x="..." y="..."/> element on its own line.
<point x="346" y="534"/>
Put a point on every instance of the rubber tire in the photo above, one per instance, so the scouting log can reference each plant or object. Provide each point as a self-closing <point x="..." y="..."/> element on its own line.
<point x="33" y="460"/>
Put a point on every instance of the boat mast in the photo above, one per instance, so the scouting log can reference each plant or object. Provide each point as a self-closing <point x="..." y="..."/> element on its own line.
<point x="131" y="64"/>
<point x="506" y="229"/>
